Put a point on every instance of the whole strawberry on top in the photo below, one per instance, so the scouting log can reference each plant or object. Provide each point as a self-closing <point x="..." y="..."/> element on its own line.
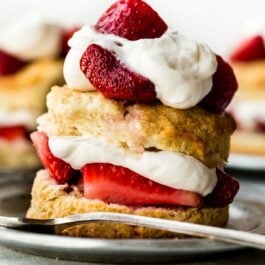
<point x="132" y="20"/>
<point x="139" y="128"/>
<point x="137" y="77"/>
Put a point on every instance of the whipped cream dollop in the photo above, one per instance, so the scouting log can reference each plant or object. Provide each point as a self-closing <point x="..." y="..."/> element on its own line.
<point x="171" y="169"/>
<point x="31" y="37"/>
<point x="17" y="117"/>
<point x="180" y="68"/>
<point x="248" y="113"/>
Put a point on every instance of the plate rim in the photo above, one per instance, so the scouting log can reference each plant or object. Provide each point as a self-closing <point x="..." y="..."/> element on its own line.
<point x="22" y="239"/>
<point x="246" y="162"/>
<point x="80" y="249"/>
<point x="27" y="239"/>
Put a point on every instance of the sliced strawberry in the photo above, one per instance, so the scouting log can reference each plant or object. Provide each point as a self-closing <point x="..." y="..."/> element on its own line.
<point x="223" y="90"/>
<point x="66" y="36"/>
<point x="13" y="132"/>
<point x="249" y="50"/>
<point x="133" y="20"/>
<point x="9" y="64"/>
<point x="114" y="184"/>
<point x="61" y="171"/>
<point x="224" y="192"/>
<point x="112" y="78"/>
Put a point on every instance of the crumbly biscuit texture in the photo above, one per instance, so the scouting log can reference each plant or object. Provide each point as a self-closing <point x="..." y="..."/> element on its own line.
<point x="138" y="127"/>
<point x="50" y="200"/>
<point x="27" y="89"/>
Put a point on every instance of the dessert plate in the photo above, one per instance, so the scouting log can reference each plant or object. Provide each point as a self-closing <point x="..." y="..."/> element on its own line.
<point x="18" y="173"/>
<point x="246" y="214"/>
<point x="246" y="162"/>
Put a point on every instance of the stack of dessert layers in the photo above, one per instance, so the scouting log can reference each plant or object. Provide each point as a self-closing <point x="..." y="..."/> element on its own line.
<point x="29" y="66"/>
<point x="22" y="100"/>
<point x="135" y="128"/>
<point x="248" y="61"/>
<point x="103" y="152"/>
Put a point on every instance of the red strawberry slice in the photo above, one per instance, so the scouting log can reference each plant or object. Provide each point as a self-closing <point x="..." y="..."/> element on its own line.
<point x="13" y="132"/>
<point x="223" y="90"/>
<point x="66" y="36"/>
<point x="61" y="171"/>
<point x="115" y="184"/>
<point x="133" y="20"/>
<point x="224" y="192"/>
<point x="9" y="64"/>
<point x="112" y="78"/>
<point x="249" y="50"/>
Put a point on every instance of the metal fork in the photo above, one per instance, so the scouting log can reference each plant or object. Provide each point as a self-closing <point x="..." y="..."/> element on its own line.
<point x="57" y="225"/>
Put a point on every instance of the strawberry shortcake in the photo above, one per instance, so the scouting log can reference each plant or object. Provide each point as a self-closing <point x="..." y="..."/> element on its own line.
<point x="140" y="127"/>
<point x="31" y="52"/>
<point x="248" y="107"/>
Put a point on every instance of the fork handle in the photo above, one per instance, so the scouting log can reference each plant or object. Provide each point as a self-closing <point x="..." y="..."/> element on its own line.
<point x="222" y="234"/>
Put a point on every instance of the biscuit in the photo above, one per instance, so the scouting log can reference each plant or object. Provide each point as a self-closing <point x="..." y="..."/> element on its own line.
<point x="27" y="89"/>
<point x="138" y="127"/>
<point x="50" y="200"/>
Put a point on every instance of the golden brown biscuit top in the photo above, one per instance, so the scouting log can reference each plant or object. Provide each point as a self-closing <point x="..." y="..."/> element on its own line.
<point x="139" y="127"/>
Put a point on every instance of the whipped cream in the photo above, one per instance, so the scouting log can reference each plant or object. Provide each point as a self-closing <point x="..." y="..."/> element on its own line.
<point x="17" y="117"/>
<point x="31" y="38"/>
<point x="247" y="113"/>
<point x="180" y="69"/>
<point x="171" y="169"/>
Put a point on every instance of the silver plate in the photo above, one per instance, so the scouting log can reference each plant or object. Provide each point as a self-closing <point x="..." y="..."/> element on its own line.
<point x="246" y="162"/>
<point x="246" y="214"/>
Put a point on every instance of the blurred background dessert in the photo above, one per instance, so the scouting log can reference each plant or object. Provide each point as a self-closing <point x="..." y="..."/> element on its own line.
<point x="31" y="58"/>
<point x="248" y="107"/>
